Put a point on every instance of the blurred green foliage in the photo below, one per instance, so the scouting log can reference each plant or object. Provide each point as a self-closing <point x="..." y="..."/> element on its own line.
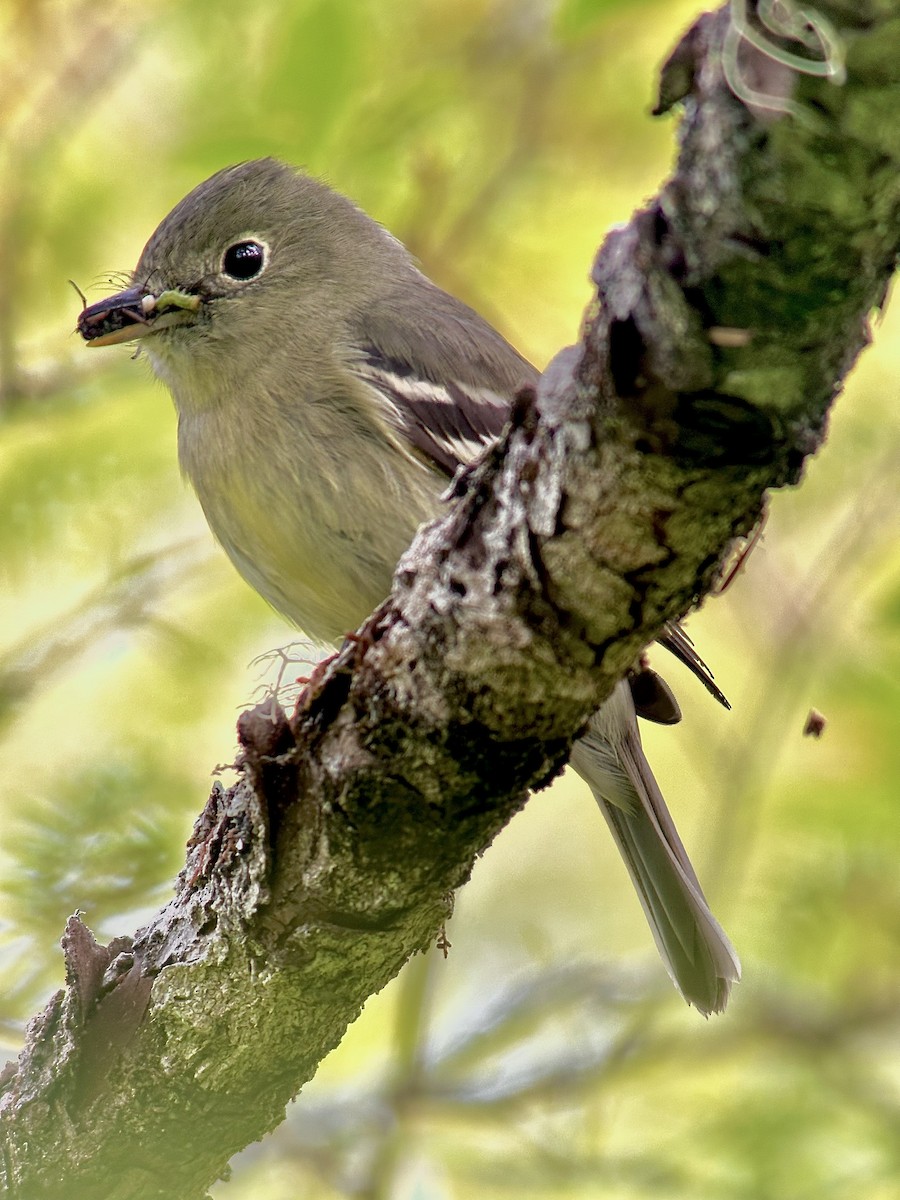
<point x="548" y="1056"/>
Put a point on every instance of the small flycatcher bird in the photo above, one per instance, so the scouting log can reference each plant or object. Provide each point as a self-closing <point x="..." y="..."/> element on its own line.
<point x="326" y="392"/>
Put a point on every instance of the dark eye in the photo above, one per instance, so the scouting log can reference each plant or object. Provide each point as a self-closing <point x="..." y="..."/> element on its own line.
<point x="244" y="260"/>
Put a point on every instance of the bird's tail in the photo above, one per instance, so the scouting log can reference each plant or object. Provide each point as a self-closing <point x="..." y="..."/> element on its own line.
<point x="694" y="947"/>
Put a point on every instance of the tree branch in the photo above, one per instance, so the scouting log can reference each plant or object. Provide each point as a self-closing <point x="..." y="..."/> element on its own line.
<point x="730" y="309"/>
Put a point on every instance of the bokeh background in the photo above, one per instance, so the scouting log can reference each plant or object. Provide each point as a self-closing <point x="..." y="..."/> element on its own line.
<point x="549" y="1055"/>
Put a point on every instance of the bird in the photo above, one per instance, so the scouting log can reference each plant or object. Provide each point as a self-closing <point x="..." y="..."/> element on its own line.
<point x="326" y="392"/>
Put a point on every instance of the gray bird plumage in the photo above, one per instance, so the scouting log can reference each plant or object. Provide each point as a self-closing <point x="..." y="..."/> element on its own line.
<point x="323" y="401"/>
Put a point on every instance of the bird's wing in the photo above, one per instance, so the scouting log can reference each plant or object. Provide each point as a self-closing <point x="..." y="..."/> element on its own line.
<point x="675" y="640"/>
<point x="446" y="376"/>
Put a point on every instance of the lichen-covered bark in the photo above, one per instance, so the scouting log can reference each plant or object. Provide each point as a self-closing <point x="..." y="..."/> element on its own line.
<point x="730" y="309"/>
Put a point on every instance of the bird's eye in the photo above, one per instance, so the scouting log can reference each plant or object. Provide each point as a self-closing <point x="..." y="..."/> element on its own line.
<point x="244" y="260"/>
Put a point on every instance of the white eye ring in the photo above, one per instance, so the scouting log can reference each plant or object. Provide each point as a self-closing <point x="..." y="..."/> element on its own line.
<point x="245" y="259"/>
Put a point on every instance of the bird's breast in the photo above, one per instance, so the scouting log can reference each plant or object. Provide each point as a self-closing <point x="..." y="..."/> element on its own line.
<point x="312" y="513"/>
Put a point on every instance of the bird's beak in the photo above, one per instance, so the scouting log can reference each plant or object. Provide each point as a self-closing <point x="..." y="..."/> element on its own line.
<point x="135" y="313"/>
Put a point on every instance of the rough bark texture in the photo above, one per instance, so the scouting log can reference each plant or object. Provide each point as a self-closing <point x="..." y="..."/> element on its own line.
<point x="730" y="309"/>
